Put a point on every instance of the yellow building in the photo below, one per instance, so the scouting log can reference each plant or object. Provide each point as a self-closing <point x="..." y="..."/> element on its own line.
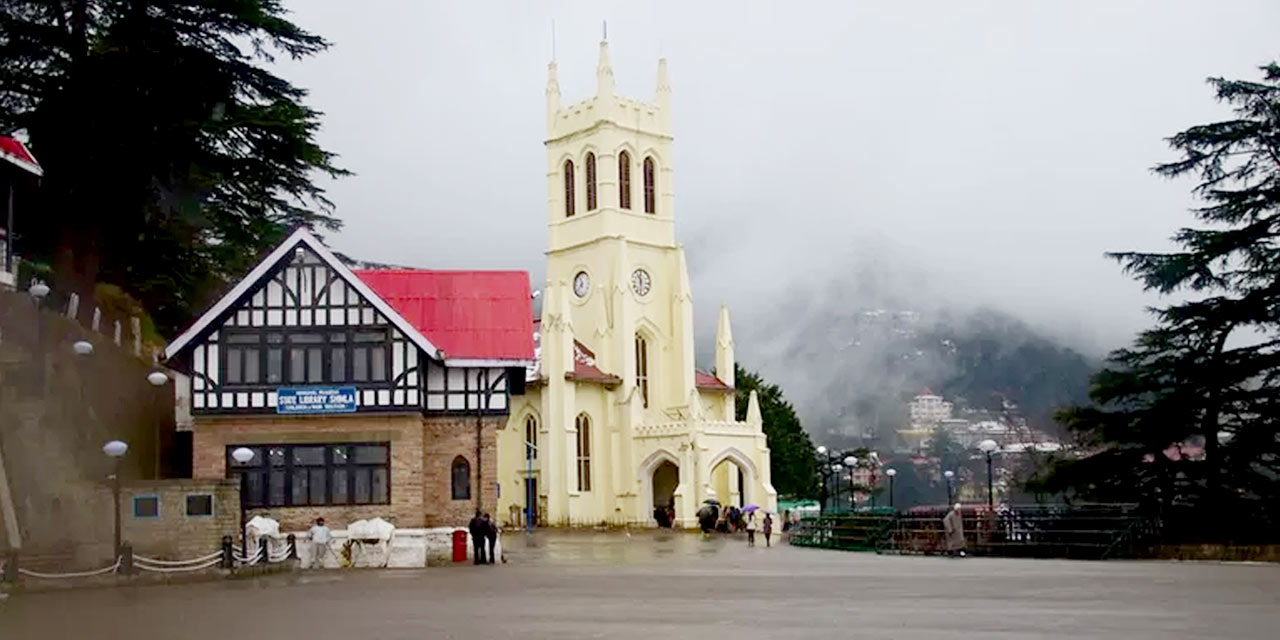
<point x="617" y="421"/>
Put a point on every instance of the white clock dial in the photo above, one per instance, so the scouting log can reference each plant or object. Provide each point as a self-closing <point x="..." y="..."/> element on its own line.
<point x="582" y="284"/>
<point x="640" y="282"/>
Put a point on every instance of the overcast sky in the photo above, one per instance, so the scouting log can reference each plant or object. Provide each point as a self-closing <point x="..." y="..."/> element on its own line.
<point x="980" y="152"/>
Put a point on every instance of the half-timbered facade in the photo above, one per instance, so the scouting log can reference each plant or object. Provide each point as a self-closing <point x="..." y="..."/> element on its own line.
<point x="361" y="393"/>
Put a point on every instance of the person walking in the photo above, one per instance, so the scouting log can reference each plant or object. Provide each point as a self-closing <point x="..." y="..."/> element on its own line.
<point x="320" y="537"/>
<point x="491" y="536"/>
<point x="767" y="529"/>
<point x="477" y="529"/>
<point x="953" y="530"/>
<point x="751" y="529"/>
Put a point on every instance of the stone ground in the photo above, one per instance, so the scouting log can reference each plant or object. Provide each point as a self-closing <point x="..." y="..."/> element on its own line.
<point x="610" y="585"/>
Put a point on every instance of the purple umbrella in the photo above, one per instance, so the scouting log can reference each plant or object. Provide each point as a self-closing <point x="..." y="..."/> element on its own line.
<point x="749" y="508"/>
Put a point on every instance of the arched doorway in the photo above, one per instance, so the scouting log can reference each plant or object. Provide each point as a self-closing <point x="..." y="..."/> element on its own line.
<point x="666" y="478"/>
<point x="729" y="483"/>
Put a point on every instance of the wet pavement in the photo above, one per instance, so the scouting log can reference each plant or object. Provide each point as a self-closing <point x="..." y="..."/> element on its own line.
<point x="663" y="585"/>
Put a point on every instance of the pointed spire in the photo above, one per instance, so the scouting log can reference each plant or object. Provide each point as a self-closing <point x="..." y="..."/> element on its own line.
<point x="753" y="409"/>
<point x="664" y="86"/>
<point x="724" y="349"/>
<point x="553" y="90"/>
<point x="604" y="72"/>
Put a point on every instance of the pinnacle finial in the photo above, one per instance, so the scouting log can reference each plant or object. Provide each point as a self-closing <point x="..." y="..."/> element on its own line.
<point x="604" y="71"/>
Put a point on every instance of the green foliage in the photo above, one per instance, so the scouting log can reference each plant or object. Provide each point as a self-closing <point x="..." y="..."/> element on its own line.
<point x="1208" y="373"/>
<point x="792" y="462"/>
<point x="172" y="156"/>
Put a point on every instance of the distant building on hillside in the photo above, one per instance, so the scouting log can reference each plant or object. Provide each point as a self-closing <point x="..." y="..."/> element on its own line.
<point x="928" y="409"/>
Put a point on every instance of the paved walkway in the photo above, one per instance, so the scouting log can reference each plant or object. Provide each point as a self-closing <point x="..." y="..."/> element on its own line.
<point x="609" y="585"/>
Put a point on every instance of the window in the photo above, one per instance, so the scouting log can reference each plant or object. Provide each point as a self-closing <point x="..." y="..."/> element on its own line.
<point x="568" y="188"/>
<point x="530" y="438"/>
<point x="283" y="475"/>
<point x="339" y="355"/>
<point x="642" y="369"/>
<point x="199" y="504"/>
<point x="624" y="180"/>
<point x="650" y="205"/>
<point x="146" y="506"/>
<point x="591" y="182"/>
<point x="583" y="423"/>
<point x="242" y="358"/>
<point x="461" y="473"/>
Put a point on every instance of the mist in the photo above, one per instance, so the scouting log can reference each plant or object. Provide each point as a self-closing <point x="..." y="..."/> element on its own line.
<point x="830" y="157"/>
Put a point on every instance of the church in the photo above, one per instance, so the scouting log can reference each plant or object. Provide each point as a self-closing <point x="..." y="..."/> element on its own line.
<point x="618" y="425"/>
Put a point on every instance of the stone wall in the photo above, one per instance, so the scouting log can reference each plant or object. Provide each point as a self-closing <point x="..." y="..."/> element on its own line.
<point x="446" y="438"/>
<point x="174" y="535"/>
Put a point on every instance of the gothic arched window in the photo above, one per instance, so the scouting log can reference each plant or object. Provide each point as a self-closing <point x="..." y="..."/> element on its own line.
<point x="530" y="438"/>
<point x="642" y="369"/>
<point x="461" y="476"/>
<point x="624" y="180"/>
<point x="583" y="424"/>
<point x="591" y="182"/>
<point x="650" y="187"/>
<point x="568" y="188"/>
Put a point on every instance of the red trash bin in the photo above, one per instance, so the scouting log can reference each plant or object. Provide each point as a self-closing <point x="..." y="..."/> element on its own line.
<point x="459" y="546"/>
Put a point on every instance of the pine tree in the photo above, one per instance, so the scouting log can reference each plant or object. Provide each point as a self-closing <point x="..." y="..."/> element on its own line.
<point x="172" y="156"/>
<point x="792" y="461"/>
<point x="1208" y="373"/>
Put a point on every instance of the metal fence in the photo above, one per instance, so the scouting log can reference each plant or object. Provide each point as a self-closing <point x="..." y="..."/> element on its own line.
<point x="1080" y="531"/>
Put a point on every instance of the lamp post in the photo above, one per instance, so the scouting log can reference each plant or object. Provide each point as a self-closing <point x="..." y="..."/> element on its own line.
<point x="243" y="455"/>
<point x="949" y="474"/>
<point x="852" y="463"/>
<point x="157" y="379"/>
<point x="82" y="348"/>
<point x="891" y="473"/>
<point x="115" y="450"/>
<point x="989" y="447"/>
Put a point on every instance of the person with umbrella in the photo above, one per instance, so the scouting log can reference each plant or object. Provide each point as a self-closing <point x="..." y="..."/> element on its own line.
<point x="751" y="525"/>
<point x="708" y="515"/>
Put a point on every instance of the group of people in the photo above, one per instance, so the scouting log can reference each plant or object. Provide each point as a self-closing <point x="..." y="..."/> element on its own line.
<point x="731" y="520"/>
<point x="484" y="533"/>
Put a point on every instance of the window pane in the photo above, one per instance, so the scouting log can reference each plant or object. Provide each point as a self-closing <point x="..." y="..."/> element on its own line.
<point x="317" y="486"/>
<point x="360" y="364"/>
<point x="146" y="507"/>
<point x="275" y="365"/>
<point x="255" y="461"/>
<point x="299" y="493"/>
<point x="378" y="366"/>
<point x="306" y="338"/>
<point x="200" y="504"/>
<point x="340" y="455"/>
<point x="340" y="495"/>
<point x="308" y="455"/>
<point x="371" y="336"/>
<point x="297" y="365"/>
<point x="338" y="364"/>
<point x="253" y="482"/>
<point x="337" y="337"/>
<point x="252" y="364"/>
<point x="275" y="493"/>
<point x="275" y="456"/>
<point x="460" y="480"/>
<point x="233" y="365"/>
<point x="380" y="484"/>
<point x="242" y="338"/>
<point x="363" y="489"/>
<point x="374" y="454"/>
<point x="315" y="365"/>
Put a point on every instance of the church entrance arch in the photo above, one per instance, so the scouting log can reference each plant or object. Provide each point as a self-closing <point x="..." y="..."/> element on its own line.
<point x="660" y="488"/>
<point x="733" y="476"/>
<point x="666" y="479"/>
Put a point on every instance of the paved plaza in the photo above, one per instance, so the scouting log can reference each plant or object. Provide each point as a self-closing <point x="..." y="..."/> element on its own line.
<point x="662" y="585"/>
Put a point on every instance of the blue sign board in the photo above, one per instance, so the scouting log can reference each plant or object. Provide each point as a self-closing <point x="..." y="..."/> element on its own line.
<point x="316" y="400"/>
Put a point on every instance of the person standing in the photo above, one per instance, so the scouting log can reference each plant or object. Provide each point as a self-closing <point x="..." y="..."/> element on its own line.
<point x="477" y="529"/>
<point x="320" y="537"/>
<point x="767" y="529"/>
<point x="751" y="529"/>
<point x="491" y="536"/>
<point x="953" y="530"/>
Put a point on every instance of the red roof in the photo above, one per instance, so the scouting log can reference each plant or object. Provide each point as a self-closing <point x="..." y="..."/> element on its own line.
<point x="704" y="380"/>
<point x="12" y="150"/>
<point x="585" y="369"/>
<point x="470" y="315"/>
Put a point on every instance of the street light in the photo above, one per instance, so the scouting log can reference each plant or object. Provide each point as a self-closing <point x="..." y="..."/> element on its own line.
<point x="891" y="473"/>
<point x="989" y="447"/>
<point x="82" y="348"/>
<point x="242" y="455"/>
<point x="38" y="290"/>
<point x="157" y="379"/>
<point x="949" y="474"/>
<point x="116" y="450"/>
<point x="852" y="463"/>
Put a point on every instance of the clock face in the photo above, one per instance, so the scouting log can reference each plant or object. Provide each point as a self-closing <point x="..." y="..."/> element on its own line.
<point x="582" y="284"/>
<point x="640" y="282"/>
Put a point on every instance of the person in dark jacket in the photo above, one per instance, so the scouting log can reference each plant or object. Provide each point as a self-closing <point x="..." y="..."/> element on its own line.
<point x="479" y="532"/>
<point x="491" y="536"/>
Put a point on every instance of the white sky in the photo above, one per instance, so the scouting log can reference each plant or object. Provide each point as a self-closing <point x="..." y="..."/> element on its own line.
<point x="976" y="152"/>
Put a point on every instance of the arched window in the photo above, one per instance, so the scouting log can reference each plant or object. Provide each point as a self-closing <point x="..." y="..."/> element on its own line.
<point x="591" y="182"/>
<point x="583" y="423"/>
<point x="461" y="474"/>
<point x="624" y="180"/>
<point x="530" y="438"/>
<point x="650" y="187"/>
<point x="642" y="369"/>
<point x="568" y="188"/>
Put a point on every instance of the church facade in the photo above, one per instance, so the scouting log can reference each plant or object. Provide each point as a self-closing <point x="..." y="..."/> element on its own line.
<point x="617" y="422"/>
